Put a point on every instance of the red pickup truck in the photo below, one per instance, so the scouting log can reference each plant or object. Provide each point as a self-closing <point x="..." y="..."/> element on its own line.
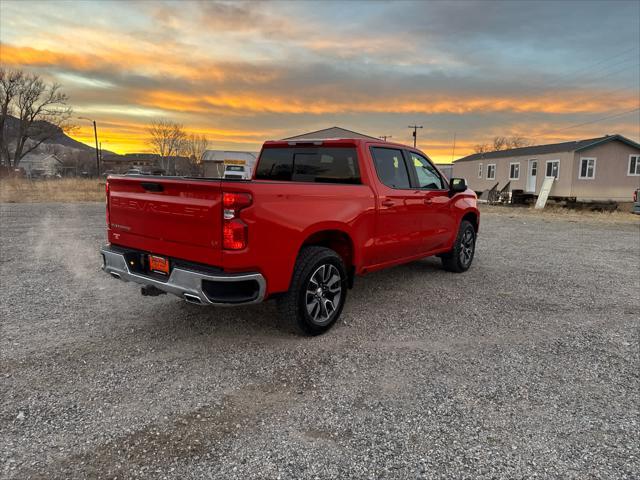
<point x="314" y="215"/>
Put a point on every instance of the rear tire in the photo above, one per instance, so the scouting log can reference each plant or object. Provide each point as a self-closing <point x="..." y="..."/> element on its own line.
<point x="317" y="292"/>
<point x="460" y="257"/>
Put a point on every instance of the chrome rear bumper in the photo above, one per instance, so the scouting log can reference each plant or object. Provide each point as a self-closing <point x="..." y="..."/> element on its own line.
<point x="185" y="283"/>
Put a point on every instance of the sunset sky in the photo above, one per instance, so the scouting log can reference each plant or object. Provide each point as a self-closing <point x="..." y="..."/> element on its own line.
<point x="242" y="73"/>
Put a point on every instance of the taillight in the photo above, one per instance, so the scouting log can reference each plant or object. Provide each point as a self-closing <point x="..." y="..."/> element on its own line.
<point x="235" y="234"/>
<point x="635" y="196"/>
<point x="106" y="192"/>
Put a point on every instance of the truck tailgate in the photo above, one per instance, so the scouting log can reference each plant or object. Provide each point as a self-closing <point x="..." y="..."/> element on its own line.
<point x="179" y="218"/>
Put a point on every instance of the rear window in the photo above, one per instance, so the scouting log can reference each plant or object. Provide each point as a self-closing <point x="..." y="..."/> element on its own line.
<point x="390" y="166"/>
<point x="319" y="164"/>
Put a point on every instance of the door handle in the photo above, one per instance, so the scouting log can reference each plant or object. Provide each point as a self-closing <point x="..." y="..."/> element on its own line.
<point x="388" y="203"/>
<point x="428" y="201"/>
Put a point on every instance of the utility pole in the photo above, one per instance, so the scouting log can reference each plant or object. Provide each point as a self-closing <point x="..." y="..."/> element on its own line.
<point x="453" y="152"/>
<point x="415" y="133"/>
<point x="95" y="133"/>
<point x="384" y="137"/>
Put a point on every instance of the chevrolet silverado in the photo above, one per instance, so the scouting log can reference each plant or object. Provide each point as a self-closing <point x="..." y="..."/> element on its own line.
<point x="315" y="215"/>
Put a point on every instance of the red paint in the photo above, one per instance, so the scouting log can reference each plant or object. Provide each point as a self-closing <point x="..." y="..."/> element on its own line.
<point x="377" y="226"/>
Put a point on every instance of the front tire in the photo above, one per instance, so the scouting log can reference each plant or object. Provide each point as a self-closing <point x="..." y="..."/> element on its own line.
<point x="460" y="257"/>
<point x="317" y="292"/>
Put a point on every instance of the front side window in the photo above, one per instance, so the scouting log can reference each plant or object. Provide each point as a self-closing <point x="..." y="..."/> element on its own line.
<point x="390" y="167"/>
<point x="553" y="169"/>
<point x="514" y="171"/>
<point x="305" y="164"/>
<point x="480" y="170"/>
<point x="491" y="171"/>
<point x="587" y="168"/>
<point x="634" y="165"/>
<point x="428" y="177"/>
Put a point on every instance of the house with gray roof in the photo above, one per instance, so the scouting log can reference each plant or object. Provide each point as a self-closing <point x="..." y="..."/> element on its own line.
<point x="596" y="169"/>
<point x="37" y="164"/>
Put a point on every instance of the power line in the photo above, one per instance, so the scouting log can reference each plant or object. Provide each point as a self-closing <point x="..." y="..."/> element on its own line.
<point x="591" y="80"/>
<point x="589" y="122"/>
<point x="591" y="99"/>
<point x="609" y="93"/>
<point x="521" y="116"/>
<point x="589" y="68"/>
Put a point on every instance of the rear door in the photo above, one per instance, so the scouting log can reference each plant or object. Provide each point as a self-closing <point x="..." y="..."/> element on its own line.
<point x="435" y="207"/>
<point x="400" y="206"/>
<point x="178" y="218"/>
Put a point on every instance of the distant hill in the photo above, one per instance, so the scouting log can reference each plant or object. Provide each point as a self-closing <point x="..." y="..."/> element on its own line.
<point x="60" y="138"/>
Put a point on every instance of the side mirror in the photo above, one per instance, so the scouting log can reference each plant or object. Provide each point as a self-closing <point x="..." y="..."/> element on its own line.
<point x="457" y="185"/>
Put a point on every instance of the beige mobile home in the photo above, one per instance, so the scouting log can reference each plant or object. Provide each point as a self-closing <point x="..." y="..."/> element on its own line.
<point x="597" y="169"/>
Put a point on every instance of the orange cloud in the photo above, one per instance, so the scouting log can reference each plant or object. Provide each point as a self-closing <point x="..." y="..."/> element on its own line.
<point x="561" y="103"/>
<point x="27" y="56"/>
<point x="233" y="98"/>
<point x="132" y="137"/>
<point x="129" y="137"/>
<point x="126" y="58"/>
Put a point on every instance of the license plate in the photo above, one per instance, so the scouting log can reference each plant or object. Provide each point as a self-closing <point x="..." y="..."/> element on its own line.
<point x="159" y="264"/>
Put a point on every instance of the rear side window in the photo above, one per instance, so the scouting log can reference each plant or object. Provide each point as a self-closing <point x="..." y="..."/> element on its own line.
<point x="275" y="164"/>
<point x="320" y="165"/>
<point x="390" y="167"/>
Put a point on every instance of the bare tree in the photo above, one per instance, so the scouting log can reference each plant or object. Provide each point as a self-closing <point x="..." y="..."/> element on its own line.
<point x="515" y="141"/>
<point x="167" y="140"/>
<point x="518" y="141"/>
<point x="9" y="85"/>
<point x="482" y="148"/>
<point x="195" y="146"/>
<point x="500" y="143"/>
<point x="31" y="111"/>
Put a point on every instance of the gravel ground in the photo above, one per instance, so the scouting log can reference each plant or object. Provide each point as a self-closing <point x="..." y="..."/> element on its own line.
<point x="525" y="366"/>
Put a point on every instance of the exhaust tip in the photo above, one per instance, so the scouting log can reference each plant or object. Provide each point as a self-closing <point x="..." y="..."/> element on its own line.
<point x="115" y="275"/>
<point x="192" y="299"/>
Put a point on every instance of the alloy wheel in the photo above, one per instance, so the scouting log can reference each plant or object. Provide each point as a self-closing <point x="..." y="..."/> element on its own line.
<point x="323" y="294"/>
<point x="467" y="245"/>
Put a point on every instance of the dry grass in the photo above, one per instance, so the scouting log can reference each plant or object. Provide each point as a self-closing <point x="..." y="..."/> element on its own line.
<point x="21" y="190"/>
<point x="566" y="214"/>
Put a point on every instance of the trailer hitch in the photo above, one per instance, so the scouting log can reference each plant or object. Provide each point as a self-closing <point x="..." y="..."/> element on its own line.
<point x="151" y="291"/>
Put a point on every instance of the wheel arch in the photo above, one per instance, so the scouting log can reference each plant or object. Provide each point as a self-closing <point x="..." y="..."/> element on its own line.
<point x="338" y="240"/>
<point x="472" y="217"/>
